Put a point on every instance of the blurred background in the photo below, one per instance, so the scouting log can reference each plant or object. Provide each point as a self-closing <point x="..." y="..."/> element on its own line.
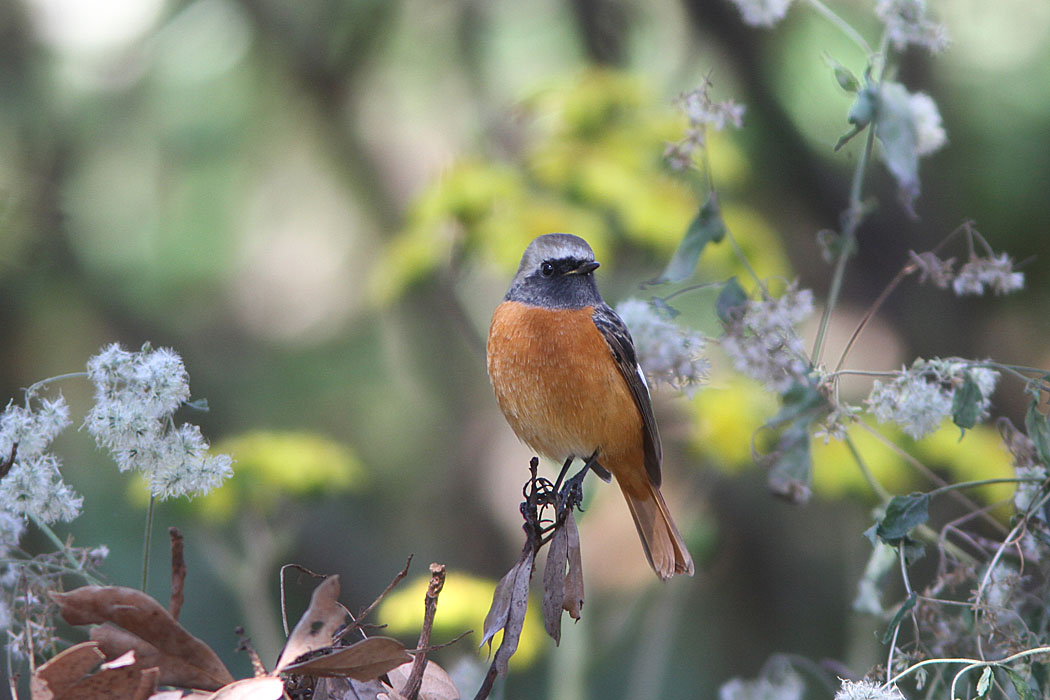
<point x="318" y="205"/>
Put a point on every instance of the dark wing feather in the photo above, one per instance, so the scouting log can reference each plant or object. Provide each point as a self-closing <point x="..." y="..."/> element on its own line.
<point x="622" y="347"/>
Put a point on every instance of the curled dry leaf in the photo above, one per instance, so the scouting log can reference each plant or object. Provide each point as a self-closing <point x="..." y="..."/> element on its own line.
<point x="573" y="603"/>
<point x="347" y="689"/>
<point x="79" y="673"/>
<point x="318" y="624"/>
<point x="58" y="675"/>
<point x="436" y="682"/>
<point x="264" y="688"/>
<point x="362" y="661"/>
<point x="554" y="583"/>
<point x="147" y="628"/>
<point x="509" y="603"/>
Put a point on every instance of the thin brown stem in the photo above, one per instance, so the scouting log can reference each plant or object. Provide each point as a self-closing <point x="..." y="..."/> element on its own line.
<point x="415" y="676"/>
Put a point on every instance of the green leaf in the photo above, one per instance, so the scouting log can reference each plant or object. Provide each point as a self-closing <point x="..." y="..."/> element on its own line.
<point x="966" y="403"/>
<point x="802" y="400"/>
<point x="843" y="75"/>
<point x="1039" y="432"/>
<point x="903" y="514"/>
<point x="707" y="227"/>
<point x="663" y="307"/>
<point x="791" y="474"/>
<point x="731" y="301"/>
<point x="905" y="607"/>
<point x="1020" y="684"/>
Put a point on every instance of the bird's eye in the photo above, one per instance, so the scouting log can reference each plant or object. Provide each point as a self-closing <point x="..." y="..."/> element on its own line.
<point x="547" y="269"/>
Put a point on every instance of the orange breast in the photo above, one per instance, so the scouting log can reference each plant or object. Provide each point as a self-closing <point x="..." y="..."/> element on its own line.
<point x="558" y="385"/>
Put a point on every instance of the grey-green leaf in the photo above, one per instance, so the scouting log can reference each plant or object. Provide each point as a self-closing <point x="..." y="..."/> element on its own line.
<point x="707" y="227"/>
<point x="1038" y="432"/>
<point x="1020" y="684"/>
<point x="984" y="682"/>
<point x="966" y="403"/>
<point x="731" y="301"/>
<point x="903" y="514"/>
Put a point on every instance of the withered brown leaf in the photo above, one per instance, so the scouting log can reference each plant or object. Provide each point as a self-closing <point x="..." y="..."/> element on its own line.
<point x="437" y="685"/>
<point x="262" y="688"/>
<point x="155" y="636"/>
<point x="510" y="600"/>
<point x="78" y="673"/>
<point x="554" y="583"/>
<point x="362" y="661"/>
<point x="573" y="603"/>
<point x="318" y="624"/>
<point x="58" y="675"/>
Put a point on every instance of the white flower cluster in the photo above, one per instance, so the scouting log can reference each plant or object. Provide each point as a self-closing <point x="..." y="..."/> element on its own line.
<point x="762" y="13"/>
<point x="702" y="112"/>
<point x="666" y="351"/>
<point x="780" y="682"/>
<point x="995" y="272"/>
<point x="920" y="397"/>
<point x="136" y="395"/>
<point x="906" y="23"/>
<point x="926" y="118"/>
<point x="33" y="484"/>
<point x="867" y="690"/>
<point x="763" y="344"/>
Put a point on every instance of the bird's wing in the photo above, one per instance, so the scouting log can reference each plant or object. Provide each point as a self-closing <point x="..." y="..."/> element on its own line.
<point x="620" y="344"/>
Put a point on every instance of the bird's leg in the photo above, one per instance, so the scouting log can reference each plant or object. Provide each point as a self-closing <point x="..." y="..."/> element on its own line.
<point x="563" y="472"/>
<point x="571" y="494"/>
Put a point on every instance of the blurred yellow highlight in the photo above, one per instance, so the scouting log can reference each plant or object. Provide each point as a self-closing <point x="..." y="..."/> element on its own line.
<point x="271" y="466"/>
<point x="462" y="606"/>
<point x="726" y="418"/>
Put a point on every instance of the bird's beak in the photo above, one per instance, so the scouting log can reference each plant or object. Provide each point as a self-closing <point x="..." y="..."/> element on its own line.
<point x="585" y="268"/>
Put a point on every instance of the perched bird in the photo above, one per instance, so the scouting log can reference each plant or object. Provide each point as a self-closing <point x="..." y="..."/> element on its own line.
<point x="565" y="374"/>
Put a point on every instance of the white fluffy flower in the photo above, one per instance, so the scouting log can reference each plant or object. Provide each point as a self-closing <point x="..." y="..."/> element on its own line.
<point x="920" y="397"/>
<point x="33" y="485"/>
<point x="995" y="272"/>
<point x="136" y="395"/>
<point x="867" y="690"/>
<point x="906" y="23"/>
<point x="667" y="352"/>
<point x="12" y="527"/>
<point x="762" y="13"/>
<point x="929" y="130"/>
<point x="763" y="344"/>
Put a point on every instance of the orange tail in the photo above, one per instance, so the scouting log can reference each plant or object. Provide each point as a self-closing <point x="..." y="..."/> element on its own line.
<point x="663" y="546"/>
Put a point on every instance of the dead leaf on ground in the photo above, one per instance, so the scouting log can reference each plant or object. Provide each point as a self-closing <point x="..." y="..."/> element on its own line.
<point x="318" y="624"/>
<point x="149" y="630"/>
<point x="573" y="603"/>
<point x="347" y="689"/>
<point x="362" y="661"/>
<point x="437" y="685"/>
<point x="509" y="603"/>
<point x="58" y="675"/>
<point x="264" y="688"/>
<point x="79" y="673"/>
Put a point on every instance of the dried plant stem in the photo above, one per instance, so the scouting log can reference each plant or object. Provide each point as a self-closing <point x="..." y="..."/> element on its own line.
<point x="415" y="676"/>
<point x="178" y="572"/>
<point x="78" y="567"/>
<point x="146" y="542"/>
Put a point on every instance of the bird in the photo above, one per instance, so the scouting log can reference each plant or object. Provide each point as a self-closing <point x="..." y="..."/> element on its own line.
<point x="565" y="373"/>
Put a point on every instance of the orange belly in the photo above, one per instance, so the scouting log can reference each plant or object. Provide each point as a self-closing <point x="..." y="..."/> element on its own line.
<point x="557" y="383"/>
